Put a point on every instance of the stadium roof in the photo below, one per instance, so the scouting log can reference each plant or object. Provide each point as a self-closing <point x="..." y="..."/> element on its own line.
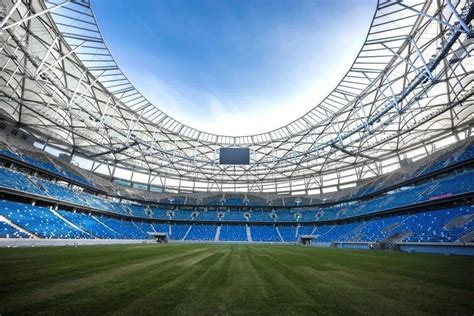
<point x="410" y="86"/>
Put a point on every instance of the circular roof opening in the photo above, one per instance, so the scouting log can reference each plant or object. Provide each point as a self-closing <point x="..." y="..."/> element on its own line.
<point x="235" y="67"/>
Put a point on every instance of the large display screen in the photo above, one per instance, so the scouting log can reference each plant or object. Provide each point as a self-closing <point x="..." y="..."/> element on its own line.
<point x="234" y="156"/>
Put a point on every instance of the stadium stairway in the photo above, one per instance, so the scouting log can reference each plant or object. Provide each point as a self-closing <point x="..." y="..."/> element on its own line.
<point x="279" y="234"/>
<point x="8" y="231"/>
<point x="356" y="232"/>
<point x="459" y="221"/>
<point x="187" y="232"/>
<point x="218" y="233"/>
<point x="19" y="228"/>
<point x="468" y="236"/>
<point x="106" y="226"/>
<point x="391" y="241"/>
<point x="72" y="224"/>
<point x="391" y="227"/>
<point x="327" y="232"/>
<point x="249" y="234"/>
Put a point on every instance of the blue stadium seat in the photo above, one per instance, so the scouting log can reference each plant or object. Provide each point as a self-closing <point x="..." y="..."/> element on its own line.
<point x="202" y="232"/>
<point x="233" y="233"/>
<point x="39" y="221"/>
<point x="264" y="233"/>
<point x="234" y="216"/>
<point x="8" y="231"/>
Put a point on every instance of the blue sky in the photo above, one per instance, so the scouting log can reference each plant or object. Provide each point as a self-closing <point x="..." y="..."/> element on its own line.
<point x="235" y="67"/>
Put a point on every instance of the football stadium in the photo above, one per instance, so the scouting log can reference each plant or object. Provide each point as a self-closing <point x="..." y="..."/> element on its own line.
<point x="112" y="203"/>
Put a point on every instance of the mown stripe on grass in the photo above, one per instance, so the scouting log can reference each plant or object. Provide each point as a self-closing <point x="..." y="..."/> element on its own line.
<point x="68" y="286"/>
<point x="231" y="279"/>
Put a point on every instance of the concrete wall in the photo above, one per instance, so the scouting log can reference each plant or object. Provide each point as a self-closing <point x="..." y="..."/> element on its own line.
<point x="23" y="242"/>
<point x="460" y="249"/>
<point x="352" y="245"/>
<point x="230" y="242"/>
<point x="321" y="244"/>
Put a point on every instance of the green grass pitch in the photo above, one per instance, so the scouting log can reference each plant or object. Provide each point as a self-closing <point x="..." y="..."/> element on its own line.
<point x="195" y="279"/>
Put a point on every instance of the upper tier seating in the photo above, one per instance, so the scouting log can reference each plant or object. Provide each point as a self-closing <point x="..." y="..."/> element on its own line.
<point x="458" y="182"/>
<point x="234" y="201"/>
<point x="454" y="154"/>
<point x="44" y="164"/>
<point x="182" y="214"/>
<point x="17" y="181"/>
<point x="234" y="216"/>
<point x="449" y="158"/>
<point x="118" y="208"/>
<point x="137" y="210"/>
<point x="207" y="216"/>
<point x="285" y="216"/>
<point x="260" y="216"/>
<point x="41" y="164"/>
<point x="159" y="213"/>
<point x="61" y="192"/>
<point x="309" y="216"/>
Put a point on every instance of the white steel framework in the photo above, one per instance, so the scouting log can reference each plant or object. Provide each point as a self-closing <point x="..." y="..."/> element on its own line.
<point x="410" y="85"/>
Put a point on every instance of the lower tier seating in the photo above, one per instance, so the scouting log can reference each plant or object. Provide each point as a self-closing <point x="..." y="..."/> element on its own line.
<point x="40" y="221"/>
<point x="202" y="232"/>
<point x="444" y="225"/>
<point x="233" y="233"/>
<point x="264" y="233"/>
<point x="178" y="231"/>
<point x="8" y="231"/>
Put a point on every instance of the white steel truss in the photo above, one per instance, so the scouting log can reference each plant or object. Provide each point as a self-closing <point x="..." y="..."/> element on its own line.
<point x="411" y="84"/>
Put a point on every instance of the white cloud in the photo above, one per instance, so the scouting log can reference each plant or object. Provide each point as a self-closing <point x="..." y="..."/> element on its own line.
<point x="308" y="64"/>
<point x="226" y="115"/>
